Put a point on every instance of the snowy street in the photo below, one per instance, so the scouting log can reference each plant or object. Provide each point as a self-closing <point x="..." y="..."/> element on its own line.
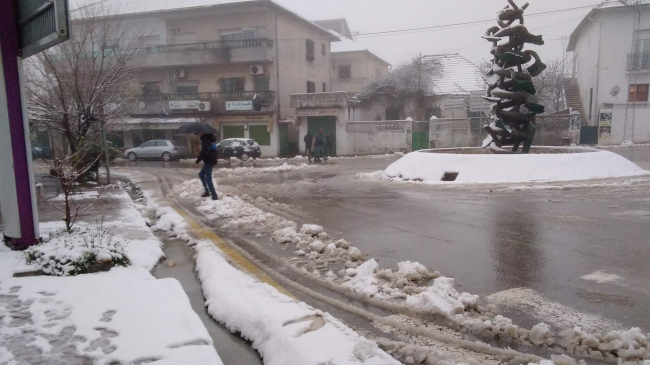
<point x="566" y="254"/>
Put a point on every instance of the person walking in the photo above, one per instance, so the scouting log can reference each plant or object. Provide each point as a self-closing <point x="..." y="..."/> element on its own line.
<point x="319" y="144"/>
<point x="329" y="145"/>
<point x="209" y="157"/>
<point x="308" y="139"/>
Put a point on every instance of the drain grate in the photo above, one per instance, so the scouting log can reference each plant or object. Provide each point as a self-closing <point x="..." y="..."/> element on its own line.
<point x="449" y="176"/>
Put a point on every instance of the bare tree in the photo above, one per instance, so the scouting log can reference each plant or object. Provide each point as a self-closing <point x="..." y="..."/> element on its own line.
<point x="76" y="86"/>
<point x="69" y="167"/>
<point x="79" y="85"/>
<point x="550" y="86"/>
<point x="408" y="81"/>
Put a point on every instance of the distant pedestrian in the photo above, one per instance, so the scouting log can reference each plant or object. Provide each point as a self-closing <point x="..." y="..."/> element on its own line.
<point x="320" y="145"/>
<point x="209" y="157"/>
<point x="329" y="145"/>
<point x="308" y="140"/>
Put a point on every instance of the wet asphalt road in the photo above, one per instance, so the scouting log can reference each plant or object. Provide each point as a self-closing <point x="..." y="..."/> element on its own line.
<point x="489" y="238"/>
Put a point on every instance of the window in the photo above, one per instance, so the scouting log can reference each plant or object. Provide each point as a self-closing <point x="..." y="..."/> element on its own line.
<point x="310" y="50"/>
<point x="161" y="143"/>
<point x="109" y="49"/>
<point x="149" y="144"/>
<point x="324" y="87"/>
<point x="152" y="88"/>
<point x="311" y="87"/>
<point x="261" y="83"/>
<point x="232" y="84"/>
<point x="392" y="114"/>
<point x="642" y="45"/>
<point x="225" y="143"/>
<point x="323" y="49"/>
<point x="187" y="87"/>
<point x="345" y="72"/>
<point x="638" y="93"/>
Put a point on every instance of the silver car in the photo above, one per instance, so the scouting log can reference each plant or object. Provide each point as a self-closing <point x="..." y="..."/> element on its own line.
<point x="157" y="149"/>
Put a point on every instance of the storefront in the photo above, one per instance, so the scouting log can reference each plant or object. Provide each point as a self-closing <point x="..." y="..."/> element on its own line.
<point x="257" y="127"/>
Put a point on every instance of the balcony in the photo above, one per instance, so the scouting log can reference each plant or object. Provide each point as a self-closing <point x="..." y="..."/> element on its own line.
<point x="638" y="61"/>
<point x="157" y="103"/>
<point x="206" y="53"/>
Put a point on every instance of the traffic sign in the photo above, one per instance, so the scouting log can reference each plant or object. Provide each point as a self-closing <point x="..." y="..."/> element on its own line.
<point x="477" y="103"/>
<point x="41" y="24"/>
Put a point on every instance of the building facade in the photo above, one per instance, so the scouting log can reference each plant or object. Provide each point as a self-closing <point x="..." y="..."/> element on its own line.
<point x="353" y="66"/>
<point x="611" y="69"/>
<point x="209" y="62"/>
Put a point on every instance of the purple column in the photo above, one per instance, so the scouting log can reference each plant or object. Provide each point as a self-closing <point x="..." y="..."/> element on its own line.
<point x="19" y="142"/>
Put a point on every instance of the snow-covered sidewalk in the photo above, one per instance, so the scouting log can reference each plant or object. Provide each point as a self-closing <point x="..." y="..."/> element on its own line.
<point x="123" y="316"/>
<point x="283" y="330"/>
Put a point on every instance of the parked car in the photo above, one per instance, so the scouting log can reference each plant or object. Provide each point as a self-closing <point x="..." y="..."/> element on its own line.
<point x="241" y="148"/>
<point x="41" y="152"/>
<point x="157" y="149"/>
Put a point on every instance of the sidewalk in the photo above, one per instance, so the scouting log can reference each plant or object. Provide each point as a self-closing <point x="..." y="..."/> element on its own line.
<point x="123" y="316"/>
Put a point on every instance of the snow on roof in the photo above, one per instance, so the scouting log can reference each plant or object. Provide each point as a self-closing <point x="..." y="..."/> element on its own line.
<point x="345" y="45"/>
<point x="617" y="4"/>
<point x="457" y="76"/>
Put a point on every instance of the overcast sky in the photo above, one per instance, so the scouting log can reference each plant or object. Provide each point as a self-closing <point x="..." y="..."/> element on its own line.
<point x="366" y="16"/>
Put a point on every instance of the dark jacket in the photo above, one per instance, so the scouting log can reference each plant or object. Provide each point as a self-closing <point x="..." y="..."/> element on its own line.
<point x="209" y="157"/>
<point x="320" y="140"/>
<point x="308" y="139"/>
<point x="329" y="140"/>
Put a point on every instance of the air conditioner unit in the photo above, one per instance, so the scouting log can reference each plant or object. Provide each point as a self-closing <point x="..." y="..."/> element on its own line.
<point x="179" y="74"/>
<point x="204" y="106"/>
<point x="257" y="70"/>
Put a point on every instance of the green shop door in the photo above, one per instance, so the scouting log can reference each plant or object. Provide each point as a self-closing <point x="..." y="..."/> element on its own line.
<point x="327" y="124"/>
<point x="283" y="130"/>
<point x="233" y="131"/>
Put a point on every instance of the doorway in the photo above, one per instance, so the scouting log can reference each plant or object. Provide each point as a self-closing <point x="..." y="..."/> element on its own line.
<point x="327" y="124"/>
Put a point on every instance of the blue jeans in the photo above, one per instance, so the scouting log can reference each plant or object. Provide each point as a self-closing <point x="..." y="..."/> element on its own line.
<point x="206" y="178"/>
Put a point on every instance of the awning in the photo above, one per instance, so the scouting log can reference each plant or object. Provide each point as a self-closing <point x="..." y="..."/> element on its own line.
<point x="131" y="123"/>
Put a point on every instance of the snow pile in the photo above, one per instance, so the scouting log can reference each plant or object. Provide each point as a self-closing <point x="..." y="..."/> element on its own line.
<point x="430" y="167"/>
<point x="253" y="171"/>
<point x="73" y="253"/>
<point x="124" y="316"/>
<point x="84" y="195"/>
<point x="284" y="331"/>
<point x="442" y="298"/>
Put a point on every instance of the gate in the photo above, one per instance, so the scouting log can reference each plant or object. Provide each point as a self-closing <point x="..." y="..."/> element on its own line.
<point x="420" y="136"/>
<point x="588" y="135"/>
<point x="327" y="124"/>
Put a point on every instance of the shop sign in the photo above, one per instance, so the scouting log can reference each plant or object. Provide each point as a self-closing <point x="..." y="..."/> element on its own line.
<point x="239" y="105"/>
<point x="184" y="104"/>
<point x="317" y="112"/>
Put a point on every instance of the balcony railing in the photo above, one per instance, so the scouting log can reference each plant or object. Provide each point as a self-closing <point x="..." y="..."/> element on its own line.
<point x="200" y="46"/>
<point x="237" y="95"/>
<point x="638" y="61"/>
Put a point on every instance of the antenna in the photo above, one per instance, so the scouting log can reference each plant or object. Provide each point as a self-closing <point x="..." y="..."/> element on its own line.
<point x="615" y="91"/>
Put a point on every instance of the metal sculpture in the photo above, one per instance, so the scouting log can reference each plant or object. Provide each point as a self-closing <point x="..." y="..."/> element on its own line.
<point x="510" y="86"/>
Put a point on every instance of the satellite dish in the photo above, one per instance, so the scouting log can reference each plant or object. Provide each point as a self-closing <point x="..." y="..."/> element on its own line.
<point x="615" y="91"/>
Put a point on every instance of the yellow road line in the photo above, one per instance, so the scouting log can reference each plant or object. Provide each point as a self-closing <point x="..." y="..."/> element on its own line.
<point x="202" y="232"/>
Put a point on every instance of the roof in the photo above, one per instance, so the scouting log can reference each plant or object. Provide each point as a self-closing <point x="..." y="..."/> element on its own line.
<point x="339" y="25"/>
<point x="347" y="45"/>
<point x="457" y="75"/>
<point x="605" y="5"/>
<point x="141" y="7"/>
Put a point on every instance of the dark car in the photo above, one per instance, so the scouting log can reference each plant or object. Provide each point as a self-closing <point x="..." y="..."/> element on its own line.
<point x="41" y="152"/>
<point x="241" y="148"/>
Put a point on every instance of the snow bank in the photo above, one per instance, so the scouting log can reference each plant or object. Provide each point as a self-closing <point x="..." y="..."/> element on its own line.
<point x="442" y="298"/>
<point x="491" y="168"/>
<point x="283" y="331"/>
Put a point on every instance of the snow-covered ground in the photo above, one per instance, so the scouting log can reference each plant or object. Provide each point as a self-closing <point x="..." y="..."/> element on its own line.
<point x="121" y="316"/>
<point x="429" y="168"/>
<point x="412" y="288"/>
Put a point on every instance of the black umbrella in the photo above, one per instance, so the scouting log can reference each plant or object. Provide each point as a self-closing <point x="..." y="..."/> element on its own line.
<point x="195" y="128"/>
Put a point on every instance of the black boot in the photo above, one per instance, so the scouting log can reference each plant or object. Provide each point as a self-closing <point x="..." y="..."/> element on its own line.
<point x="205" y="195"/>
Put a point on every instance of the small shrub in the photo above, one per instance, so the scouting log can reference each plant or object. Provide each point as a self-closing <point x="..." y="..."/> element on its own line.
<point x="72" y="253"/>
